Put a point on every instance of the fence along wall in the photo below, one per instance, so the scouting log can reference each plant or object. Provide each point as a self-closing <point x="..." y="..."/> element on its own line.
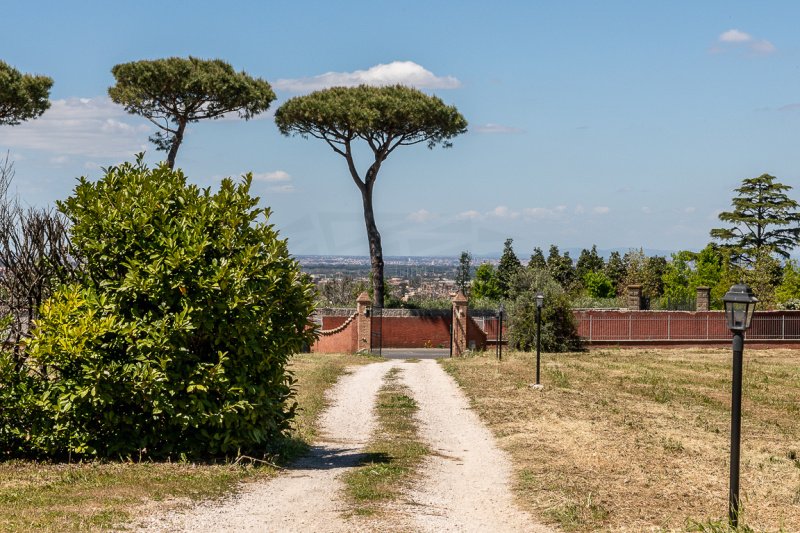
<point x="630" y="327"/>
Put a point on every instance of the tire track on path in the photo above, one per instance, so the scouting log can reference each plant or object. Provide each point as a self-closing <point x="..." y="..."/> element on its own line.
<point x="466" y="484"/>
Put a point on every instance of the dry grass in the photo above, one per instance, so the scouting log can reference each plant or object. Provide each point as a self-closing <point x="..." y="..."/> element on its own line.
<point x="638" y="440"/>
<point x="99" y="496"/>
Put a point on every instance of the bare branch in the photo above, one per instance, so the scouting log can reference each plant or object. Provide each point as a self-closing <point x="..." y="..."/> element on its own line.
<point x="34" y="257"/>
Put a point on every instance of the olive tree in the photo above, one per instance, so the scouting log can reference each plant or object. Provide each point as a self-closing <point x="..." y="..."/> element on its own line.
<point x="22" y="96"/>
<point x="559" y="327"/>
<point x="382" y="117"/>
<point x="175" y="91"/>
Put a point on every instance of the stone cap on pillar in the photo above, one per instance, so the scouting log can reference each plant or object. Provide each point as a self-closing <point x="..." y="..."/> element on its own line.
<point x="460" y="298"/>
<point x="363" y="298"/>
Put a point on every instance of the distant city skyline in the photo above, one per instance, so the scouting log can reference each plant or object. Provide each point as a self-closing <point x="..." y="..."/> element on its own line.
<point x="620" y="124"/>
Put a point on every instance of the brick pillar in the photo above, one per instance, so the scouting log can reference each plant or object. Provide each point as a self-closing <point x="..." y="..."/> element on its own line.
<point x="459" y="339"/>
<point x="363" y="323"/>
<point x="634" y="297"/>
<point x="703" y="299"/>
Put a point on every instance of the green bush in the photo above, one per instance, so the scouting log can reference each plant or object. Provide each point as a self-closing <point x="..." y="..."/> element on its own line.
<point x="587" y="302"/>
<point x="789" y="289"/>
<point x="559" y="328"/>
<point x="176" y="338"/>
<point x="598" y="285"/>
<point x="486" y="283"/>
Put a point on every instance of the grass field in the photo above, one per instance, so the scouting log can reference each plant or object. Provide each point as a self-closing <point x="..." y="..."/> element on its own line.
<point x="96" y="496"/>
<point x="638" y="440"/>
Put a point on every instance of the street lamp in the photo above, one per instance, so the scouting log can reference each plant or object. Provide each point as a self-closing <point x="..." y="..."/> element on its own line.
<point x="539" y="305"/>
<point x="740" y="302"/>
<point x="500" y="332"/>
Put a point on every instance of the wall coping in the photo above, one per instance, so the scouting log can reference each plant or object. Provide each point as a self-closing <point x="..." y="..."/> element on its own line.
<point x="388" y="312"/>
<point x="676" y="311"/>
<point x="400" y="313"/>
<point x="334" y="311"/>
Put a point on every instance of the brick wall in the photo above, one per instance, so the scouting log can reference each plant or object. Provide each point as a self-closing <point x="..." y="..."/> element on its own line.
<point x="345" y="341"/>
<point x="401" y="328"/>
<point x="598" y="326"/>
<point x="416" y="331"/>
<point x="475" y="335"/>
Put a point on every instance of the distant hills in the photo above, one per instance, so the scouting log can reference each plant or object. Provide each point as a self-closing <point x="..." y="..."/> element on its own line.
<point x="453" y="259"/>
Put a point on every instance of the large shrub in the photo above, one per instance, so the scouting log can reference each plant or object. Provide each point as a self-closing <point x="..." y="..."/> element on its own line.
<point x="559" y="328"/>
<point x="598" y="285"/>
<point x="176" y="338"/>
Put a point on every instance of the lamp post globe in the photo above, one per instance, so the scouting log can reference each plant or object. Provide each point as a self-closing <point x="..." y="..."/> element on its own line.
<point x="740" y="303"/>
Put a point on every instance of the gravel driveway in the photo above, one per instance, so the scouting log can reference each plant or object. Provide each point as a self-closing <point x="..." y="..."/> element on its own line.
<point x="464" y="486"/>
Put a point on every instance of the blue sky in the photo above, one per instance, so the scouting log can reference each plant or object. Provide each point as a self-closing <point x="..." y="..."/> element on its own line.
<point x="619" y="123"/>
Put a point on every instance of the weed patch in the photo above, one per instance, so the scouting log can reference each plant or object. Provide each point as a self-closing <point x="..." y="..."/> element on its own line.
<point x="393" y="455"/>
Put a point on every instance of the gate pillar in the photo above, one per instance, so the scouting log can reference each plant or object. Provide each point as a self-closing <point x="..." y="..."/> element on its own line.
<point x="460" y="316"/>
<point x="703" y="299"/>
<point x="634" y="297"/>
<point x="363" y="323"/>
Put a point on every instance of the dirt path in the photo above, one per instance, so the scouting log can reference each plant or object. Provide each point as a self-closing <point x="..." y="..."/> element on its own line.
<point x="465" y="486"/>
<point x="306" y="497"/>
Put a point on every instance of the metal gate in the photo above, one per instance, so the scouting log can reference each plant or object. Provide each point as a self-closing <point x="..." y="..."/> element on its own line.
<point x="376" y="326"/>
<point x="452" y="327"/>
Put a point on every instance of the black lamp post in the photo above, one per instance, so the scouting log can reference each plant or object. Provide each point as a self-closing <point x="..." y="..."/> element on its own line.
<point x="539" y="305"/>
<point x="740" y="302"/>
<point x="500" y="332"/>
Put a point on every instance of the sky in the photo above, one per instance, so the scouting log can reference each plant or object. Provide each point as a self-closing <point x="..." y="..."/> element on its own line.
<point x="618" y="123"/>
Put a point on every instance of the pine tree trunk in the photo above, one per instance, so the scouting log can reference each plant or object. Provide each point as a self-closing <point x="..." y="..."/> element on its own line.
<point x="375" y="250"/>
<point x="176" y="143"/>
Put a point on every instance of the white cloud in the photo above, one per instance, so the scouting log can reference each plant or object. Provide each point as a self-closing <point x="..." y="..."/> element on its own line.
<point x="646" y="210"/>
<point x="396" y="72"/>
<point x="735" y="36"/>
<point x="496" y="128"/>
<point x="502" y="211"/>
<point x="278" y="180"/>
<point x="539" y="213"/>
<point x="469" y="215"/>
<point x="89" y="127"/>
<point x="579" y="209"/>
<point x="689" y="210"/>
<point x="277" y="175"/>
<point x="600" y="210"/>
<point x="763" y="47"/>
<point x="421" y="216"/>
